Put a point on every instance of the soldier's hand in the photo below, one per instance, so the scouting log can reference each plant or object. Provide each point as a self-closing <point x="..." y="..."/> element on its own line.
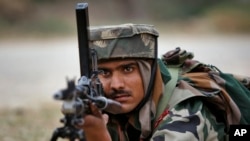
<point x="94" y="125"/>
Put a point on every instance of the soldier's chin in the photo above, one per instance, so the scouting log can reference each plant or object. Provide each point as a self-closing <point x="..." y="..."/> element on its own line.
<point x="126" y="108"/>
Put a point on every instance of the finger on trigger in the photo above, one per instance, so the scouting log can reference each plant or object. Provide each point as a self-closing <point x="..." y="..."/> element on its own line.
<point x="106" y="118"/>
<point x="95" y="111"/>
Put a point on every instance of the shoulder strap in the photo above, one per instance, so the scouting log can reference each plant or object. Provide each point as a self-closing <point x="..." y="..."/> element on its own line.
<point x="169" y="87"/>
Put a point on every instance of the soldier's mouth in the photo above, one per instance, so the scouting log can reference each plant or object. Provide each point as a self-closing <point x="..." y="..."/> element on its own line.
<point x="121" y="97"/>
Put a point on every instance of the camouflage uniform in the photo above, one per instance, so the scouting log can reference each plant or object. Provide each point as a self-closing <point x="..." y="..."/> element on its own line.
<point x="185" y="111"/>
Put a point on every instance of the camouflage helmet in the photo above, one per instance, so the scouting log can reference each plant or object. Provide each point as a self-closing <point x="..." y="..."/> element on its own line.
<point x="124" y="41"/>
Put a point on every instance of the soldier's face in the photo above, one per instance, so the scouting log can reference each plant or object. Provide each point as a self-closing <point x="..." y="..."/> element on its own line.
<point x="122" y="82"/>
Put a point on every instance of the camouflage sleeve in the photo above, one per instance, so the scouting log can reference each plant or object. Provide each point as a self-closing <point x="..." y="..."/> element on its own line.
<point x="190" y="120"/>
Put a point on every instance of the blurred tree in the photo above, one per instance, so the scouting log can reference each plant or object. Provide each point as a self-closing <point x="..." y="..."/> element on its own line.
<point x="15" y="10"/>
<point x="49" y="14"/>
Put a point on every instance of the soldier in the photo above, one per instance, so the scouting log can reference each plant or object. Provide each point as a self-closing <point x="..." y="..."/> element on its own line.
<point x="155" y="105"/>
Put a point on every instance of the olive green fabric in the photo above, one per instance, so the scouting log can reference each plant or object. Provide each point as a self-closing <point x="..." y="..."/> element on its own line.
<point x="239" y="93"/>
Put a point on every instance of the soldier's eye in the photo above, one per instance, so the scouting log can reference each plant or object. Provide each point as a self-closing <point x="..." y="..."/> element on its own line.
<point x="128" y="69"/>
<point x="104" y="73"/>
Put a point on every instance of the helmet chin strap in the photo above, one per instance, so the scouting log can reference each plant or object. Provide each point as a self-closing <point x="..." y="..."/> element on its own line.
<point x="151" y="83"/>
<point x="150" y="87"/>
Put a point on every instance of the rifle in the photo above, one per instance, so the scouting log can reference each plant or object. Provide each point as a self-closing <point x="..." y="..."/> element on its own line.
<point x="76" y="98"/>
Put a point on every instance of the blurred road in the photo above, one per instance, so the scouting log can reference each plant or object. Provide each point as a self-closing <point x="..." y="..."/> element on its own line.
<point x="32" y="70"/>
